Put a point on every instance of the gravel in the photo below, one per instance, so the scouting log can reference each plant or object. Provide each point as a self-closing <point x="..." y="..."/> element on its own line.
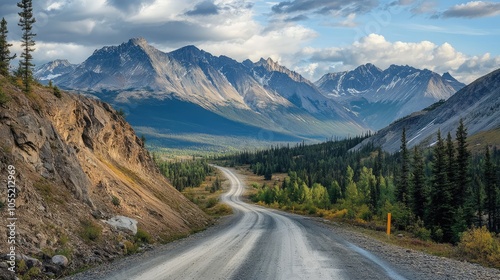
<point x="427" y="266"/>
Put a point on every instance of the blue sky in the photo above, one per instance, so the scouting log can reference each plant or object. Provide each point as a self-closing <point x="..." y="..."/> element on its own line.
<point x="312" y="37"/>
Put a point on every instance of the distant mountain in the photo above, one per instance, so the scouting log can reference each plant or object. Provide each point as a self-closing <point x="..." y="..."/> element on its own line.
<point x="478" y="104"/>
<point x="53" y="69"/>
<point x="262" y="98"/>
<point x="379" y="97"/>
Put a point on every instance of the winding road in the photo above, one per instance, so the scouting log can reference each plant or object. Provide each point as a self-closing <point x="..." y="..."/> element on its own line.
<point x="257" y="243"/>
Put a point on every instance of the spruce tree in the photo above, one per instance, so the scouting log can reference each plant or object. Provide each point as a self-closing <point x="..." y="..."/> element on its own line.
<point x="490" y="187"/>
<point x="462" y="192"/>
<point x="26" y="22"/>
<point x="403" y="189"/>
<point x="441" y="210"/>
<point x="451" y="164"/>
<point x="5" y="56"/>
<point x="419" y="187"/>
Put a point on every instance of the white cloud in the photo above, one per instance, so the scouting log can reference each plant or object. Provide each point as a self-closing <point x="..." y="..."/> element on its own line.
<point x="474" y="9"/>
<point x="377" y="50"/>
<point x="51" y="51"/>
<point x="280" y="44"/>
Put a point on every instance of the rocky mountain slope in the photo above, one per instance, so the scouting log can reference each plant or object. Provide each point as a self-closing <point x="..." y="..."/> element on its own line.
<point x="263" y="96"/>
<point x="380" y="97"/>
<point x="478" y="104"/>
<point x="79" y="164"/>
<point x="53" y="69"/>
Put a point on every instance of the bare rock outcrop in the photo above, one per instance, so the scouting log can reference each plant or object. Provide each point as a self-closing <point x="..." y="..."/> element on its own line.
<point x="75" y="157"/>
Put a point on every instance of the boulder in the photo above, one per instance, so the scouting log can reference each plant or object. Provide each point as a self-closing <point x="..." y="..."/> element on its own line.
<point x="60" y="260"/>
<point x="123" y="223"/>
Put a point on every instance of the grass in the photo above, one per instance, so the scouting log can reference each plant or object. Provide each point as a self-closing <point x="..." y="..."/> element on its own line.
<point x="143" y="236"/>
<point x="207" y="201"/>
<point x="479" y="141"/>
<point x="90" y="231"/>
<point x="48" y="192"/>
<point x="3" y="98"/>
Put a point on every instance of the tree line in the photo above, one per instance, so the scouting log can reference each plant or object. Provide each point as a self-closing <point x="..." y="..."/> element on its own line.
<point x="438" y="191"/>
<point x="187" y="173"/>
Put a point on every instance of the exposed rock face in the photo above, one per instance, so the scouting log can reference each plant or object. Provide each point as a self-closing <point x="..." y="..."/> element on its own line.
<point x="72" y="157"/>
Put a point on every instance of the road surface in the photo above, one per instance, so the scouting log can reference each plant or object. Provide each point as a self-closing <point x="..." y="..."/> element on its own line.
<point x="257" y="243"/>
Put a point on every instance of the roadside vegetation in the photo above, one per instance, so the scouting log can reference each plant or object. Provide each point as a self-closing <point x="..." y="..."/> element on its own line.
<point x="198" y="181"/>
<point x="442" y="198"/>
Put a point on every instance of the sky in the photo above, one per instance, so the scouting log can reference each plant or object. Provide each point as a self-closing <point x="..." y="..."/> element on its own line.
<point x="312" y="37"/>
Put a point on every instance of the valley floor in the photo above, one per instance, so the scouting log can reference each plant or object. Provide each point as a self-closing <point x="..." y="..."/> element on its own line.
<point x="260" y="243"/>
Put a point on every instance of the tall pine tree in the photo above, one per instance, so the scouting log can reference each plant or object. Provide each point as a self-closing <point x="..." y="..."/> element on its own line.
<point x="441" y="210"/>
<point x="462" y="188"/>
<point x="403" y="188"/>
<point x="5" y="56"/>
<point x="490" y="187"/>
<point x="26" y="22"/>
<point x="419" y="188"/>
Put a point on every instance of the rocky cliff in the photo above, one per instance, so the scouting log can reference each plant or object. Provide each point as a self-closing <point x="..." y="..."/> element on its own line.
<point x="77" y="164"/>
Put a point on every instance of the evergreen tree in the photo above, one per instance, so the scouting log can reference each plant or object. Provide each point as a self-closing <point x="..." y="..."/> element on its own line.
<point x="26" y="22"/>
<point x="403" y="189"/>
<point x="441" y="210"/>
<point x="478" y="199"/>
<point x="418" y="183"/>
<point x="451" y="163"/>
<point x="5" y="56"/>
<point x="491" y="191"/>
<point x="462" y="191"/>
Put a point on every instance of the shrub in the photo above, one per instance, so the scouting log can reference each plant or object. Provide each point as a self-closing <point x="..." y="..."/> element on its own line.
<point x="90" y="231"/>
<point x="22" y="267"/>
<point x="121" y="113"/>
<point x="419" y="231"/>
<point x="130" y="248"/>
<point x="478" y="245"/>
<point x="115" y="200"/>
<point x="212" y="202"/>
<point x="3" y="98"/>
<point x="57" y="92"/>
<point x="143" y="236"/>
<point x="365" y="213"/>
<point x="33" y="273"/>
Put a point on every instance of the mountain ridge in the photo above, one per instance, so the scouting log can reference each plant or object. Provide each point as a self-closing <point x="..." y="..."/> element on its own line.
<point x="262" y="94"/>
<point x="477" y="104"/>
<point x="381" y="96"/>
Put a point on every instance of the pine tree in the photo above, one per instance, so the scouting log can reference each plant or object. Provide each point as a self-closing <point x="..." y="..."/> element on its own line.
<point x="451" y="164"/>
<point x="26" y="22"/>
<point x="5" y="56"/>
<point x="403" y="189"/>
<point x="491" y="191"/>
<point x="478" y="200"/>
<point x="441" y="210"/>
<point x="462" y="192"/>
<point x="419" y="188"/>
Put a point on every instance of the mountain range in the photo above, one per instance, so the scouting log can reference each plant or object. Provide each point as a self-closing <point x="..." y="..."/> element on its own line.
<point x="171" y="97"/>
<point x="477" y="104"/>
<point x="381" y="96"/>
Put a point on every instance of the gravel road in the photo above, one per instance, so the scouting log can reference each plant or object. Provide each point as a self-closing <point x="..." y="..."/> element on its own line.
<point x="260" y="243"/>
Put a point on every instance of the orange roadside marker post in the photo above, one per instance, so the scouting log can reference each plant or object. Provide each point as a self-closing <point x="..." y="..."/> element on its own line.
<point x="388" y="224"/>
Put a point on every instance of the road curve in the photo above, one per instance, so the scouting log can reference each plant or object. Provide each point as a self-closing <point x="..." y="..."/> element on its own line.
<point x="257" y="243"/>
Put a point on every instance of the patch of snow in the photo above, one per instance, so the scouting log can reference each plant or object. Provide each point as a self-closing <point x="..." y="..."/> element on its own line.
<point x="50" y="77"/>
